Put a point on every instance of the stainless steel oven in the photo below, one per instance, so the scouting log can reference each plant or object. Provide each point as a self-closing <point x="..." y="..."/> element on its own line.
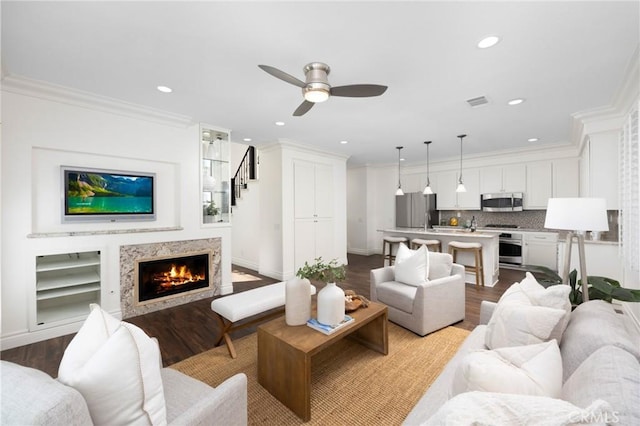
<point x="510" y="248"/>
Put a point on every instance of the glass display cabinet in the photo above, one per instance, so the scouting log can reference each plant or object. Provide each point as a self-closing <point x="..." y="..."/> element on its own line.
<point x="215" y="178"/>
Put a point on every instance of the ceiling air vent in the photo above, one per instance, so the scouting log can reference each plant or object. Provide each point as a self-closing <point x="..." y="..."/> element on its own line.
<point x="476" y="102"/>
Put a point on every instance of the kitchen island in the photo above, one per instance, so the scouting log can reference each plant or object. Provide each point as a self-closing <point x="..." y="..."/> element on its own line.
<point x="488" y="239"/>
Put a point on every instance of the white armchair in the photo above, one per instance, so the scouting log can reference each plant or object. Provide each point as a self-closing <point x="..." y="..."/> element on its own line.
<point x="425" y="308"/>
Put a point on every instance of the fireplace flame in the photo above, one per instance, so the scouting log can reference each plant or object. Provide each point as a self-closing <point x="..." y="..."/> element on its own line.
<point x="178" y="275"/>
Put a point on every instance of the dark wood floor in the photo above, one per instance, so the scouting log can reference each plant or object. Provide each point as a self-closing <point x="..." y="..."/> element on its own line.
<point x="190" y="329"/>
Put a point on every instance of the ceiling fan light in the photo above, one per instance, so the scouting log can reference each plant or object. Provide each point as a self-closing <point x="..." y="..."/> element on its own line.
<point x="316" y="93"/>
<point x="316" y="96"/>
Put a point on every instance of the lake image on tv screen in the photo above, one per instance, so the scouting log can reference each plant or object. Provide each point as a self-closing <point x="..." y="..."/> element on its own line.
<point x="105" y="193"/>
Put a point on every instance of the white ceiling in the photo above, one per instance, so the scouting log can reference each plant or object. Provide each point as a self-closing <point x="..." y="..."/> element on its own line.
<point x="562" y="57"/>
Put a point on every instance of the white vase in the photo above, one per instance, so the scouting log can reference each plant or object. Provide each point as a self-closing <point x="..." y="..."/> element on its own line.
<point x="297" y="305"/>
<point x="331" y="305"/>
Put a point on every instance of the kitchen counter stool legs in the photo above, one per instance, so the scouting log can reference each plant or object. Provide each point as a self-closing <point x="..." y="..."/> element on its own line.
<point x="476" y="248"/>
<point x="391" y="242"/>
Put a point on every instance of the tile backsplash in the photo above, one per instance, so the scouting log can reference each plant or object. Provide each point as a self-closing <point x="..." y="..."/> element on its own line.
<point x="528" y="219"/>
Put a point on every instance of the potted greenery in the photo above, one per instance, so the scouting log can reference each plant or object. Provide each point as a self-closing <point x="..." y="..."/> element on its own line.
<point x="210" y="212"/>
<point x="601" y="288"/>
<point x="322" y="271"/>
<point x="331" y="300"/>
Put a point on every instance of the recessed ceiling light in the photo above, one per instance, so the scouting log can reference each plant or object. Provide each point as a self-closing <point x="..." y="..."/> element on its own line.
<point x="165" y="89"/>
<point x="247" y="139"/>
<point x="488" y="42"/>
<point x="532" y="140"/>
<point x="279" y="123"/>
<point x="516" y="101"/>
<point x="344" y="142"/>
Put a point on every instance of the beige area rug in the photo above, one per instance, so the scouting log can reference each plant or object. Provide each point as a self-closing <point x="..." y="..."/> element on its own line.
<point x="350" y="385"/>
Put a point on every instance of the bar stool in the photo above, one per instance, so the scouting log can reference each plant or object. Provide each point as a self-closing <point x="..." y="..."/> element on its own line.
<point x="432" y="245"/>
<point x="390" y="242"/>
<point x="476" y="249"/>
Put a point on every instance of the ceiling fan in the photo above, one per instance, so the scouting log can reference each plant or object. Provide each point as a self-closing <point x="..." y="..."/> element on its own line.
<point x="317" y="88"/>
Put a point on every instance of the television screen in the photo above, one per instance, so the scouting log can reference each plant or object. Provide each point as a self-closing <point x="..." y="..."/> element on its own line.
<point x="107" y="195"/>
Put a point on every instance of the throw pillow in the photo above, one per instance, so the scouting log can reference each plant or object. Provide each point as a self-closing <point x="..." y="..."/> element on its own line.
<point x="527" y="313"/>
<point x="403" y="253"/>
<point x="440" y="265"/>
<point x="116" y="368"/>
<point x="412" y="269"/>
<point x="524" y="370"/>
<point x="488" y="408"/>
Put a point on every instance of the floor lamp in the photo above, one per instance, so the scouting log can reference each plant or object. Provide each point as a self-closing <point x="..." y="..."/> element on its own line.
<point x="577" y="215"/>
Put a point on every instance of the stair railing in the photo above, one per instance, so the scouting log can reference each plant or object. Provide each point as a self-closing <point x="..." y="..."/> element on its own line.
<point x="246" y="172"/>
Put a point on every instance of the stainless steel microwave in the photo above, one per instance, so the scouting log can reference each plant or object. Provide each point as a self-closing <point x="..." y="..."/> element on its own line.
<point x="502" y="202"/>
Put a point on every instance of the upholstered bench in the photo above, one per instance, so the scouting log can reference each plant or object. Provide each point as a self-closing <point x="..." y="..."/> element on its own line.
<point x="238" y="306"/>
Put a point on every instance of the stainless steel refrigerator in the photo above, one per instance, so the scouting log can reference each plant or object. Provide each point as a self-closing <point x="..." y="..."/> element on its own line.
<point x="414" y="209"/>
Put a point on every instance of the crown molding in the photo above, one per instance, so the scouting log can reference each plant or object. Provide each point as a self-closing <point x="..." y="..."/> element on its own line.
<point x="61" y="94"/>
<point x="296" y="146"/>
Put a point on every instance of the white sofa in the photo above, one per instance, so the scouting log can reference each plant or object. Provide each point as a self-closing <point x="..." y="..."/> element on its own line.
<point x="600" y="353"/>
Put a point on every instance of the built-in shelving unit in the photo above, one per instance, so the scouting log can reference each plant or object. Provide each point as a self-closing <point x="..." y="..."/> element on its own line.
<point x="65" y="286"/>
<point x="216" y="180"/>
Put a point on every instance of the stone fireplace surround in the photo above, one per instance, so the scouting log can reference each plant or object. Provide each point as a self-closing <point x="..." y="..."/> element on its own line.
<point x="131" y="254"/>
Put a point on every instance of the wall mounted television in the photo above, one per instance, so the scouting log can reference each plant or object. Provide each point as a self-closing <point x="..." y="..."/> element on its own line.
<point x="98" y="195"/>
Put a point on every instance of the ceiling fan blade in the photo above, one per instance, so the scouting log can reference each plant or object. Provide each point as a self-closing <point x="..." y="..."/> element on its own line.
<point x="358" y="90"/>
<point x="303" y="108"/>
<point x="282" y="75"/>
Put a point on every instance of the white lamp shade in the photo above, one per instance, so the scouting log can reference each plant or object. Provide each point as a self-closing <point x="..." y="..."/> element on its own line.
<point x="427" y="190"/>
<point x="461" y="188"/>
<point x="577" y="214"/>
<point x="399" y="191"/>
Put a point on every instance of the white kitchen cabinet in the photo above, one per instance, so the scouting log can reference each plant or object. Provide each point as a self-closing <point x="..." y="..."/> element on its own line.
<point x="313" y="212"/>
<point x="566" y="178"/>
<point x="539" y="185"/>
<point x="447" y="197"/>
<point x="601" y="160"/>
<point x="541" y="249"/>
<point x="445" y="188"/>
<point x="601" y="259"/>
<point x="510" y="178"/>
<point x="66" y="284"/>
<point x="470" y="200"/>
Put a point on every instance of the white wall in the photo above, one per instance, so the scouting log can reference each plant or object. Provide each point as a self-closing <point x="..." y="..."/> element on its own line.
<point x="46" y="127"/>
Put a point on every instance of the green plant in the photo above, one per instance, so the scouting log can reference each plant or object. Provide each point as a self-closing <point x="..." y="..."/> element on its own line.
<point x="211" y="209"/>
<point x="326" y="272"/>
<point x="601" y="288"/>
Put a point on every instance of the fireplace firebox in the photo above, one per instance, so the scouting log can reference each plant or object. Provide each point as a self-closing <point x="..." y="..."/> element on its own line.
<point x="166" y="277"/>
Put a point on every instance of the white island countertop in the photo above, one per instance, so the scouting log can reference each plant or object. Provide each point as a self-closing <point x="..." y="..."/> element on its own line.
<point x="488" y="240"/>
<point x="444" y="232"/>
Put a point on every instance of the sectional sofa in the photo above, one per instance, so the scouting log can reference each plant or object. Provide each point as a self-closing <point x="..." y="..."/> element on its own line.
<point x="583" y="369"/>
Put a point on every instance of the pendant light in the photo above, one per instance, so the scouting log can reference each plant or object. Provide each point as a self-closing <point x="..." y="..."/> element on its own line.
<point x="399" y="191"/>
<point x="461" y="187"/>
<point x="427" y="189"/>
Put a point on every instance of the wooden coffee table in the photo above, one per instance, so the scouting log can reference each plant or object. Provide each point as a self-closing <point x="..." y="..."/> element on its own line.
<point x="284" y="353"/>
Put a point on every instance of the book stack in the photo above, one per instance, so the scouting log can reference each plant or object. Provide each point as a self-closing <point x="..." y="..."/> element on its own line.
<point x="329" y="329"/>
